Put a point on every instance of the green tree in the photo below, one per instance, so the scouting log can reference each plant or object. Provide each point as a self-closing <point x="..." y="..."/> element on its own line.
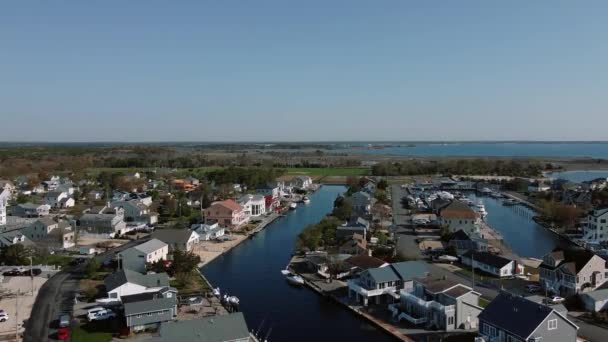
<point x="92" y="267"/>
<point x="382" y="184"/>
<point x="184" y="262"/>
<point x="21" y="198"/>
<point x="16" y="254"/>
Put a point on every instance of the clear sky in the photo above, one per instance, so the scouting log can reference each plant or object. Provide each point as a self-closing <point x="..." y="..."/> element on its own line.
<point x="303" y="70"/>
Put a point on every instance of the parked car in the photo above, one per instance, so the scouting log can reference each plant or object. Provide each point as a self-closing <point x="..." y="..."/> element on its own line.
<point x="33" y="272"/>
<point x="63" y="334"/>
<point x="93" y="311"/>
<point x="15" y="272"/>
<point x="3" y="316"/>
<point x="64" y="320"/>
<point x="78" y="261"/>
<point x="102" y="315"/>
<point x="555" y="299"/>
<point x="532" y="288"/>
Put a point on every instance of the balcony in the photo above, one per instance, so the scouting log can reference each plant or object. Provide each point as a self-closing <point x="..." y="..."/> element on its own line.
<point x="409" y="297"/>
<point x="356" y="286"/>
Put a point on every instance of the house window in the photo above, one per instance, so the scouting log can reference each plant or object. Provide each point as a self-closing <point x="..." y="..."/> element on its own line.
<point x="552" y="323"/>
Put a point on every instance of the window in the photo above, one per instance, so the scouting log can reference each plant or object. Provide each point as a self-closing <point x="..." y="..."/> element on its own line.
<point x="552" y="323"/>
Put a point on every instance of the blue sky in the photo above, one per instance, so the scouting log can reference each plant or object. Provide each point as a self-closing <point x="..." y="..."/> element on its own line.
<point x="303" y="70"/>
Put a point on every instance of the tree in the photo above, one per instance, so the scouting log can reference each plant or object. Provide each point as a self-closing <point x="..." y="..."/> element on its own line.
<point x="16" y="254"/>
<point x="382" y="184"/>
<point x="21" y="198"/>
<point x="184" y="262"/>
<point x="343" y="211"/>
<point x="92" y="267"/>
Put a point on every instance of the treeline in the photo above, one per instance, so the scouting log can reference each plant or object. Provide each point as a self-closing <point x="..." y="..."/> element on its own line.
<point x="250" y="176"/>
<point x="322" y="234"/>
<point x="518" y="168"/>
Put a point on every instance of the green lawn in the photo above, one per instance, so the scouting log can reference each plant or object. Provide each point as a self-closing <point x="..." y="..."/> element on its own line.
<point x="92" y="332"/>
<point x="329" y="171"/>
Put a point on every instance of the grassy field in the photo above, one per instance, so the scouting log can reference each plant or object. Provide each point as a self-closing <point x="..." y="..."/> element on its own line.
<point x="329" y="171"/>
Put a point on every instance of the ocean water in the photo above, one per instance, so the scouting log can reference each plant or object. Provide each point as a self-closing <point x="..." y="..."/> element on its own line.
<point x="497" y="149"/>
<point x="579" y="176"/>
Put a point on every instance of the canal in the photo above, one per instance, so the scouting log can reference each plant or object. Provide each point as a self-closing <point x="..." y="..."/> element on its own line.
<point x="524" y="236"/>
<point x="251" y="272"/>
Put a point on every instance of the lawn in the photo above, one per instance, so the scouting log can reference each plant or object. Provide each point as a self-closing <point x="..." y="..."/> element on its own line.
<point x="483" y="302"/>
<point x="100" y="331"/>
<point x="329" y="171"/>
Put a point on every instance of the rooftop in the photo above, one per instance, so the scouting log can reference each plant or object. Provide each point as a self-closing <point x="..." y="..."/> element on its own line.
<point x="218" y="328"/>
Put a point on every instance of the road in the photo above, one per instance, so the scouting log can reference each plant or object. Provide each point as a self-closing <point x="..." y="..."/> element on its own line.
<point x="57" y="296"/>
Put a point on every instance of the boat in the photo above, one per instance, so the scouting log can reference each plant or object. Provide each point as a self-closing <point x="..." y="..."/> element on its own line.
<point x="285" y="272"/>
<point x="486" y="191"/>
<point x="509" y="202"/>
<point x="481" y="209"/>
<point x="306" y="200"/>
<point x="293" y="206"/>
<point x="496" y="195"/>
<point x="294" y="279"/>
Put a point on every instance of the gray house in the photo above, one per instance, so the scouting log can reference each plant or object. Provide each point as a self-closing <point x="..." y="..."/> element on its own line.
<point x="31" y="210"/>
<point x="358" y="226"/>
<point x="150" y="309"/>
<point x="513" y="318"/>
<point x="219" y="328"/>
<point x="361" y="202"/>
<point x="595" y="300"/>
<point x="438" y="303"/>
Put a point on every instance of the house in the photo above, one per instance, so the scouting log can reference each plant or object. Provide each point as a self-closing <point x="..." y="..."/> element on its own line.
<point x="51" y="234"/>
<point x="253" y="205"/>
<point x="135" y="175"/>
<point x="462" y="243"/>
<point x="383" y="284"/>
<point x="136" y="211"/>
<point x="31" y="210"/>
<point x="301" y="182"/>
<point x="360" y="263"/>
<point x="361" y="202"/>
<point x="136" y="258"/>
<point x="438" y="303"/>
<point x="359" y="226"/>
<point x="595" y="301"/>
<point x="8" y="186"/>
<point x="271" y="195"/>
<point x="597" y="184"/>
<point x="459" y="216"/>
<point x="357" y="245"/>
<point x="492" y="264"/>
<point x="51" y="184"/>
<point x="4" y="197"/>
<point x="109" y="223"/>
<point x="538" y="187"/>
<point x="226" y="213"/>
<point x="513" y="318"/>
<point x="182" y="239"/>
<point x="126" y="282"/>
<point x="208" y="232"/>
<point x="149" y="310"/>
<point x="95" y="195"/>
<point x="595" y="231"/>
<point x="184" y="185"/>
<point x="571" y="271"/>
<point x="219" y="328"/>
<point x="58" y="199"/>
<point x="13" y="237"/>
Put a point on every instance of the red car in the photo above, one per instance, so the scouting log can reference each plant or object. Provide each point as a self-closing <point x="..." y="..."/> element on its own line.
<point x="63" y="334"/>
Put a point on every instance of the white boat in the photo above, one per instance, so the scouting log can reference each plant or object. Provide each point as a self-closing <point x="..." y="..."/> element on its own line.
<point x="295" y="279"/>
<point x="293" y="205"/>
<point x="481" y="209"/>
<point x="306" y="200"/>
<point x="285" y="272"/>
<point x="486" y="191"/>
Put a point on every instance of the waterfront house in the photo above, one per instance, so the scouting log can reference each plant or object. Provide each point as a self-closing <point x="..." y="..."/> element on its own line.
<point x="571" y="271"/>
<point x="595" y="301"/>
<point x="360" y="263"/>
<point x="492" y="264"/>
<point x="513" y="318"/>
<point x="459" y="216"/>
<point x="357" y="245"/>
<point x="383" y="284"/>
<point x="438" y="303"/>
<point x="209" y="231"/>
<point x="126" y="282"/>
<point x="227" y="213"/>
<point x="361" y="202"/>
<point x="463" y="243"/>
<point x="182" y="239"/>
<point x="253" y="205"/>
<point x="356" y="226"/>
<point x="271" y="195"/>
<point x="301" y="182"/>
<point x="219" y="328"/>
<point x="136" y="211"/>
<point x="31" y="210"/>
<point x="149" y="310"/>
<point x="136" y="258"/>
<point x="595" y="231"/>
<point x="107" y="224"/>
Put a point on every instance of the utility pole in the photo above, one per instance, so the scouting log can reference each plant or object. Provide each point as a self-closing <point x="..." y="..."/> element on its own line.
<point x="32" y="273"/>
<point x="17" y="317"/>
<point x="473" y="268"/>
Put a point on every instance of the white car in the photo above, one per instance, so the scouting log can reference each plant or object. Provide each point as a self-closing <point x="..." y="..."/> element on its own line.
<point x="555" y="299"/>
<point x="102" y="315"/>
<point x="3" y="316"/>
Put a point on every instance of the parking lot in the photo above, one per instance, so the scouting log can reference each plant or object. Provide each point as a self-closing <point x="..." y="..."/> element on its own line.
<point x="16" y="300"/>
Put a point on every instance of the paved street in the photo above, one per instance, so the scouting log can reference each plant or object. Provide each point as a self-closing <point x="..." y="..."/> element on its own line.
<point x="57" y="296"/>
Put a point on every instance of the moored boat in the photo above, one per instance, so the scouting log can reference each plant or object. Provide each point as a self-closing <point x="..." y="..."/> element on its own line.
<point x="306" y="200"/>
<point x="294" y="279"/>
<point x="293" y="206"/>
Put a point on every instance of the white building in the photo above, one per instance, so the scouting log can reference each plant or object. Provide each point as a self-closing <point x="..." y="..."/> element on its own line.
<point x="58" y="199"/>
<point x="596" y="229"/>
<point x="136" y="210"/>
<point x="492" y="264"/>
<point x="254" y="205"/>
<point x="4" y="197"/>
<point x="208" y="232"/>
<point x="127" y="282"/>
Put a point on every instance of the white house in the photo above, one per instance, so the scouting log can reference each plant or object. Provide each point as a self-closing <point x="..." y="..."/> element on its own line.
<point x="596" y="229"/>
<point x="127" y="282"/>
<point x="301" y="182"/>
<point x="31" y="210"/>
<point x="136" y="210"/>
<point x="208" y="232"/>
<point x="492" y="264"/>
<point x="4" y="197"/>
<point x="254" y="205"/>
<point x="58" y="199"/>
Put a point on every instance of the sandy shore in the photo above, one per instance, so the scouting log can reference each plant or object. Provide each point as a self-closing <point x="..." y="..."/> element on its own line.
<point x="209" y="250"/>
